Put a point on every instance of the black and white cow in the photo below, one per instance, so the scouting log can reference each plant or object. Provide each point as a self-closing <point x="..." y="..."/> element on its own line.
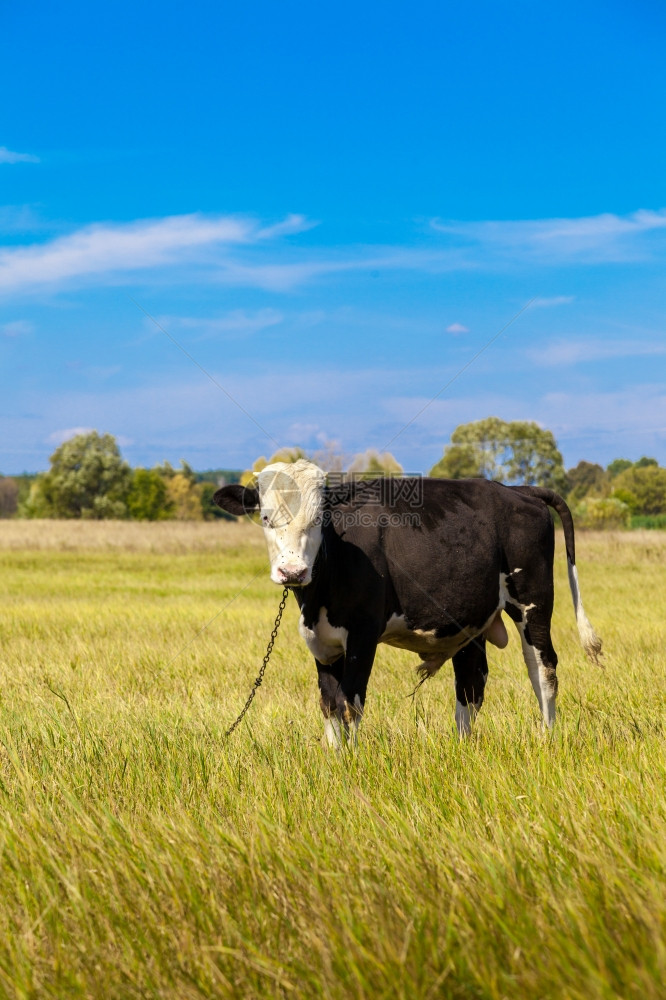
<point x="427" y="565"/>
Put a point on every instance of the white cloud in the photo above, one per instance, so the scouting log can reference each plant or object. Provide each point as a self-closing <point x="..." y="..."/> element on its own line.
<point x="9" y="156"/>
<point x="59" y="437"/>
<point x="235" y="251"/>
<point x="292" y="225"/>
<point x="457" y="328"/>
<point x="472" y="245"/>
<point x="103" y="252"/>
<point x="572" y="352"/>
<point x="241" y="322"/>
<point x="104" y="249"/>
<point x="590" y="239"/>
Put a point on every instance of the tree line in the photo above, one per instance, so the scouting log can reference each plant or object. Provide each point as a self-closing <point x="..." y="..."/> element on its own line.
<point x="88" y="478"/>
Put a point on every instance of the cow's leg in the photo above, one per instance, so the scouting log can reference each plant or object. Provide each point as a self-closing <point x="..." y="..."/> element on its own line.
<point x="330" y="682"/>
<point x="359" y="658"/>
<point x="541" y="661"/>
<point x="529" y="602"/>
<point x="343" y="687"/>
<point x="471" y="672"/>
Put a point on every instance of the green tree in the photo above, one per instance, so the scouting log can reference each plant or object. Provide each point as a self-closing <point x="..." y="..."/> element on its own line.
<point x="460" y="461"/>
<point x="626" y="497"/>
<point x="370" y="463"/>
<point x="148" y="499"/>
<point x="645" y="462"/>
<point x="516" y="451"/>
<point x="647" y="483"/>
<point x="167" y="471"/>
<point x="617" y="466"/>
<point x="88" y="478"/>
<point x="586" y="479"/>
<point x="184" y="497"/>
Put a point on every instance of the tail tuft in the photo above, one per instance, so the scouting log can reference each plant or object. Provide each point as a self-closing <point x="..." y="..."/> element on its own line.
<point x="591" y="642"/>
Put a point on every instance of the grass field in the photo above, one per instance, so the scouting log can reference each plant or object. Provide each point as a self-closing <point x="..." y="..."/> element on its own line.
<point x="142" y="856"/>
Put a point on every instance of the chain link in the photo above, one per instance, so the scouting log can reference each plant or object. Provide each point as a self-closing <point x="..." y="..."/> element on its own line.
<point x="262" y="670"/>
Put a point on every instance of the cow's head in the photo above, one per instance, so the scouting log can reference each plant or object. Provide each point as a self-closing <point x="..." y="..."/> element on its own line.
<point x="289" y="499"/>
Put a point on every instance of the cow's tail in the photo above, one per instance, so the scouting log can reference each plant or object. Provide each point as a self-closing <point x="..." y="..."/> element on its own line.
<point x="588" y="637"/>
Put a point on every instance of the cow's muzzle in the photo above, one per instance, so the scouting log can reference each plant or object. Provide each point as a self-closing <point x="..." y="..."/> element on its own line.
<point x="292" y="576"/>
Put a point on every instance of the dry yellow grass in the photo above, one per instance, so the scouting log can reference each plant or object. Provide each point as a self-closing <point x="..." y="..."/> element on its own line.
<point x="202" y="536"/>
<point x="129" y="536"/>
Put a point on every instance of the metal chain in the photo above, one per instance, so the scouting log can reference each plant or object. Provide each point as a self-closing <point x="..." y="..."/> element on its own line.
<point x="262" y="670"/>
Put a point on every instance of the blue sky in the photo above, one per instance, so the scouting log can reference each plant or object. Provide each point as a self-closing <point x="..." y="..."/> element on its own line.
<point x="332" y="210"/>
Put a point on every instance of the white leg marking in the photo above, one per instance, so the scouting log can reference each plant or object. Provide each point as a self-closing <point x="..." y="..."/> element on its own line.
<point x="463" y="719"/>
<point x="333" y="732"/>
<point x="465" y="716"/>
<point x="339" y="733"/>
<point x="541" y="682"/>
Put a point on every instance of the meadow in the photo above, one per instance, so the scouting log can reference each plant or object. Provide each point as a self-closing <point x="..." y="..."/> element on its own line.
<point x="143" y="856"/>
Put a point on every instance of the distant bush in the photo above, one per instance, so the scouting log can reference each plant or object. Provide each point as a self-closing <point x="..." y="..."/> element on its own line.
<point x="147" y="499"/>
<point x="646" y="481"/>
<point x="600" y="515"/>
<point x="626" y="496"/>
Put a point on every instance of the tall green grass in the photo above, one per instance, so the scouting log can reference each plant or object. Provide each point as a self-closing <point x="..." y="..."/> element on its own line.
<point x="142" y="856"/>
<point x="654" y="522"/>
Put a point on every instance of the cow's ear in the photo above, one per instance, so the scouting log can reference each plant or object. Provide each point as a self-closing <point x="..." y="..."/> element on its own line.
<point x="237" y="499"/>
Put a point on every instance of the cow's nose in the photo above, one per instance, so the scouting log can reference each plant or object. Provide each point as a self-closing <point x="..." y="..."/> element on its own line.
<point x="292" y="574"/>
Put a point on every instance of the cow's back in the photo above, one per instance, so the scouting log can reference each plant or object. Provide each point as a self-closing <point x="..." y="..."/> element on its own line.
<point x="444" y="557"/>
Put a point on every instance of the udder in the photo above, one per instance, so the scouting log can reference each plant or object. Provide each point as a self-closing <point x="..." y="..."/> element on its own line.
<point x="496" y="632"/>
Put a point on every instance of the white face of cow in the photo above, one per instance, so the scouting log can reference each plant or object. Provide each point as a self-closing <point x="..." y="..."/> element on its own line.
<point x="291" y="497"/>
